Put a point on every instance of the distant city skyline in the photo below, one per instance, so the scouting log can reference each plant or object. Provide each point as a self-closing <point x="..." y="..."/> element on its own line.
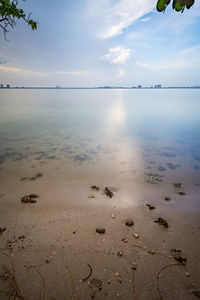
<point x="94" y="43"/>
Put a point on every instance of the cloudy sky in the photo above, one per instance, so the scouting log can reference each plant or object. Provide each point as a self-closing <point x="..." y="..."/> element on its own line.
<point x="102" y="42"/>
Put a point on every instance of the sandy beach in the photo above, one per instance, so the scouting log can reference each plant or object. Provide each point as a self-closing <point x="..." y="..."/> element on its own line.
<point x="51" y="246"/>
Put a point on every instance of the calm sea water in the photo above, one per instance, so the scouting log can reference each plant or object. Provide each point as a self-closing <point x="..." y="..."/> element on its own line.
<point x="141" y="135"/>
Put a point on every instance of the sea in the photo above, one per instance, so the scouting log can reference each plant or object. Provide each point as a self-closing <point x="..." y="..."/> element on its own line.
<point x="140" y="136"/>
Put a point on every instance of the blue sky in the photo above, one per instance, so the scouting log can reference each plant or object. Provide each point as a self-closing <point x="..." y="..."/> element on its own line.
<point x="102" y="42"/>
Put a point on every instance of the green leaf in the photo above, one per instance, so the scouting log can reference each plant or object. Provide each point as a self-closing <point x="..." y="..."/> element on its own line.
<point x="189" y="3"/>
<point x="160" y="5"/>
<point x="167" y="2"/>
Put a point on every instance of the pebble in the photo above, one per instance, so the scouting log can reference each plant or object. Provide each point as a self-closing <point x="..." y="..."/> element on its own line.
<point x="129" y="222"/>
<point x="136" y="235"/>
<point x="100" y="230"/>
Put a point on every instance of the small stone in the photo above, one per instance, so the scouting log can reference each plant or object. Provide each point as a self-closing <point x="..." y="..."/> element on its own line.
<point x="187" y="274"/>
<point x="119" y="279"/>
<point x="196" y="293"/>
<point x="124" y="240"/>
<point x="181" y="193"/>
<point x="113" y="216"/>
<point x="167" y="198"/>
<point x="177" y="184"/>
<point x="151" y="207"/>
<point x="129" y="222"/>
<point x="161" y="221"/>
<point x="95" y="187"/>
<point x="100" y="230"/>
<point x="91" y="196"/>
<point x="2" y="230"/>
<point x="117" y="274"/>
<point x="136" y="235"/>
<point x="134" y="266"/>
<point x="38" y="175"/>
<point x="120" y="253"/>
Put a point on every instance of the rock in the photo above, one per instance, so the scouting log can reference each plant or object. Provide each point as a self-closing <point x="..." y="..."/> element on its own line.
<point x="100" y="230"/>
<point x="196" y="293"/>
<point x="32" y="195"/>
<point x="113" y="216"/>
<point x="38" y="175"/>
<point x="29" y="198"/>
<point x="151" y="207"/>
<point x="180" y="259"/>
<point x="181" y="193"/>
<point x="136" y="235"/>
<point x="129" y="222"/>
<point x="96" y="283"/>
<point x="167" y="198"/>
<point x="177" y="184"/>
<point x="134" y="266"/>
<point x="91" y="196"/>
<point x="2" y="230"/>
<point x="108" y="192"/>
<point x="124" y="240"/>
<point x="95" y="187"/>
<point x="162" y="221"/>
<point x="120" y="253"/>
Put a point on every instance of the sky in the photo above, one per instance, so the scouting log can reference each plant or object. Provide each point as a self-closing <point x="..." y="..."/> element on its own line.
<point x="89" y="43"/>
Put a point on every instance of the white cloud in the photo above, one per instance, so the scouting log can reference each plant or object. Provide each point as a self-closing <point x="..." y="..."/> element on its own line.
<point x="121" y="73"/>
<point x="72" y="72"/>
<point x="21" y="71"/>
<point x="120" y="14"/>
<point x="117" y="55"/>
<point x="175" y="64"/>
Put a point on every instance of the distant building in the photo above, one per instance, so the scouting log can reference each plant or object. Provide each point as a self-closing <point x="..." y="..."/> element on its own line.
<point x="8" y="86"/>
<point x="158" y="86"/>
<point x="57" y="87"/>
<point x="139" y="86"/>
<point x="1" y="86"/>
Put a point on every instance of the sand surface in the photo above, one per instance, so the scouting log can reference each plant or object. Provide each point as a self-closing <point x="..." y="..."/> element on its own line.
<point x="50" y="243"/>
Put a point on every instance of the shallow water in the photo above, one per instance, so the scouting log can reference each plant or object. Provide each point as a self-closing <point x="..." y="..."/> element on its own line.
<point x="144" y="136"/>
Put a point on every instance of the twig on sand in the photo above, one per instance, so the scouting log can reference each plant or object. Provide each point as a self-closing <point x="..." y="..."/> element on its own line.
<point x="72" y="279"/>
<point x="158" y="276"/>
<point x="133" y="285"/>
<point x="43" y="289"/>
<point x="14" y="291"/>
<point x="86" y="278"/>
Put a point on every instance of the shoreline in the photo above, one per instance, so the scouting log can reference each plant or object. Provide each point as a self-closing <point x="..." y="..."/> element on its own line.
<point x="60" y="232"/>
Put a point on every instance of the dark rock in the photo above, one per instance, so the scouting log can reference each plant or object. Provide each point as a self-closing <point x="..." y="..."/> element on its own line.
<point x="180" y="259"/>
<point x="177" y="184"/>
<point x="29" y="198"/>
<point x="129" y="222"/>
<point x="167" y="198"/>
<point x="24" y="178"/>
<point x="181" y="193"/>
<point x="95" y="187"/>
<point x="2" y="230"/>
<point x="196" y="293"/>
<point x="151" y="207"/>
<point x="108" y="192"/>
<point x="162" y="221"/>
<point x="38" y="175"/>
<point x="100" y="230"/>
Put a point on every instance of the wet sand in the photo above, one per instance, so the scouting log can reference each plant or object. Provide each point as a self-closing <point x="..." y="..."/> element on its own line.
<point x="57" y="237"/>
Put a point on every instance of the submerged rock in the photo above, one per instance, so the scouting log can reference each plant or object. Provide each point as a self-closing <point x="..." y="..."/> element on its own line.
<point x="151" y="207"/>
<point x="161" y="221"/>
